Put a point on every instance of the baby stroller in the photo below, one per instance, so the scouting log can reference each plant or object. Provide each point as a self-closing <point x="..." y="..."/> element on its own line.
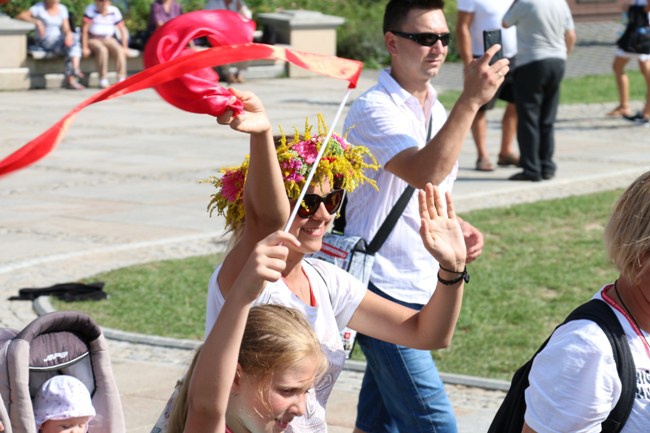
<point x="63" y="342"/>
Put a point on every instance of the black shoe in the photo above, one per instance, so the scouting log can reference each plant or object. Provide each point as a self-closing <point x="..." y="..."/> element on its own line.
<point x="524" y="176"/>
<point x="637" y="118"/>
<point x="548" y="176"/>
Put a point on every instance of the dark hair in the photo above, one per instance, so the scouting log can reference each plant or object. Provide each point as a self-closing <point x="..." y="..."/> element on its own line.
<point x="397" y="10"/>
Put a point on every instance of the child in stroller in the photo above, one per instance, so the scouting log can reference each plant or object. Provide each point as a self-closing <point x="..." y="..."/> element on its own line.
<point x="63" y="405"/>
<point x="60" y="343"/>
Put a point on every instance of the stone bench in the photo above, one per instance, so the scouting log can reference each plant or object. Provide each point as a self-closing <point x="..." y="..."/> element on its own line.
<point x="20" y="70"/>
<point x="46" y="70"/>
<point x="303" y="30"/>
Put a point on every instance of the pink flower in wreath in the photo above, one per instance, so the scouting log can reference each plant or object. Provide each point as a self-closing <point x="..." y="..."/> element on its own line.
<point x="344" y="144"/>
<point x="306" y="150"/>
<point x="232" y="183"/>
<point x="293" y="169"/>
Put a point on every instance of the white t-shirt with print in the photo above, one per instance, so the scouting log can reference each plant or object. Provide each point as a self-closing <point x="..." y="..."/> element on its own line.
<point x="574" y="383"/>
<point x="337" y="295"/>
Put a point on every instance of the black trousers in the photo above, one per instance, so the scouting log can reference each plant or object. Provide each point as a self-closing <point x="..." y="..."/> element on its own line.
<point x="537" y="96"/>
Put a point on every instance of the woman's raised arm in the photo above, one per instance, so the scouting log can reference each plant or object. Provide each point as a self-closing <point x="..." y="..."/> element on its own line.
<point x="266" y="206"/>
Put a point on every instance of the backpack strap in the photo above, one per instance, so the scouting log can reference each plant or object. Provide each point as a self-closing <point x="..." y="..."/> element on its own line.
<point x="599" y="312"/>
<point x="510" y="416"/>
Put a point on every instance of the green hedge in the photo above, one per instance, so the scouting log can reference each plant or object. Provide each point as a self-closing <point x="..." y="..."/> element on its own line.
<point x="359" y="38"/>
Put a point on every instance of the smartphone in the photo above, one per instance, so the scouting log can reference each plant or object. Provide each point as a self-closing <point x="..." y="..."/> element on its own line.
<point x="491" y="37"/>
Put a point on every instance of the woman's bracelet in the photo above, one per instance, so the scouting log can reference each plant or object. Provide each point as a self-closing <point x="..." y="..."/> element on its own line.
<point x="464" y="275"/>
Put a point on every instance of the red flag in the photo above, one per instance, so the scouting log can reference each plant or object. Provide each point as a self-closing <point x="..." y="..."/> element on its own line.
<point x="197" y="91"/>
<point x="198" y="94"/>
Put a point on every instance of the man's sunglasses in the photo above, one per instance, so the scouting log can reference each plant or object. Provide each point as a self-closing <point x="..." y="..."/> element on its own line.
<point x="425" y="39"/>
<point x="311" y="203"/>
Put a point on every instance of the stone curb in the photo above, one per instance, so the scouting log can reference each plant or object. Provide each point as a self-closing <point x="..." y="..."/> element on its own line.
<point x="42" y="305"/>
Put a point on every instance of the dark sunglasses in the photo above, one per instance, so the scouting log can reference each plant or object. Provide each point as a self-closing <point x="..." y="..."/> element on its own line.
<point x="311" y="203"/>
<point x="425" y="39"/>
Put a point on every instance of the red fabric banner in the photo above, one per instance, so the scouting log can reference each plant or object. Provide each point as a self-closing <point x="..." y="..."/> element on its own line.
<point x="181" y="76"/>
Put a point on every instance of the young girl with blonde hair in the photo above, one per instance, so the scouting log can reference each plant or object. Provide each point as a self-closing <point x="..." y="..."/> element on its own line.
<point x="258" y="363"/>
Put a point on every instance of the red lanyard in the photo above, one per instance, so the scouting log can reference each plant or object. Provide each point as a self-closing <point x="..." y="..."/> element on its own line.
<point x="631" y="321"/>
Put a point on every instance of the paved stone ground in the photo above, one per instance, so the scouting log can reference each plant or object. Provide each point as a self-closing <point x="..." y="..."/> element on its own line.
<point x="119" y="191"/>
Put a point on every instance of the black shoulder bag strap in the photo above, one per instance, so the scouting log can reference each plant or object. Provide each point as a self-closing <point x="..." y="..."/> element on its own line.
<point x="396" y="212"/>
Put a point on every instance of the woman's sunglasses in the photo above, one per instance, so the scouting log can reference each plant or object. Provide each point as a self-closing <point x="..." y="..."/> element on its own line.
<point x="425" y="39"/>
<point x="311" y="203"/>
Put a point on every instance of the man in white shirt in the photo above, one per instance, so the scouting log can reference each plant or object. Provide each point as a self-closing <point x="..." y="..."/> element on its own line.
<point x="474" y="17"/>
<point x="402" y="391"/>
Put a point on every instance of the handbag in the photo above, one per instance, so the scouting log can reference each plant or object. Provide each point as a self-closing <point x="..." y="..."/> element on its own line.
<point x="640" y="40"/>
<point x="636" y="37"/>
<point x="354" y="255"/>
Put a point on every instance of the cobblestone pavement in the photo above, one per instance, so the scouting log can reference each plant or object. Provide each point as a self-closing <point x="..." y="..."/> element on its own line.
<point x="119" y="191"/>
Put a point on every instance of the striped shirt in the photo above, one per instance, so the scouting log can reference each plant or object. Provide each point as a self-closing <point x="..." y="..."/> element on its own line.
<point x="102" y="26"/>
<point x="388" y="119"/>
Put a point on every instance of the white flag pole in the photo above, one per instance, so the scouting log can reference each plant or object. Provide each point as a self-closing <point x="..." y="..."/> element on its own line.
<point x="317" y="161"/>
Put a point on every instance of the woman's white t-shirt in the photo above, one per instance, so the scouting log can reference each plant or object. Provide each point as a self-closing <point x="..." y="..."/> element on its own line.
<point x="52" y="23"/>
<point x="574" y="383"/>
<point x="337" y="295"/>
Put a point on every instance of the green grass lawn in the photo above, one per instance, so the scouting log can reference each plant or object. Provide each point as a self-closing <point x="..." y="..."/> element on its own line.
<point x="583" y="90"/>
<point x="540" y="261"/>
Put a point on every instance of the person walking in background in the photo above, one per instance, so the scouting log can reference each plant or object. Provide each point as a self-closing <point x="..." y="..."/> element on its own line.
<point x="574" y="382"/>
<point x="233" y="73"/>
<point x="475" y="16"/>
<point x="101" y="22"/>
<point x="162" y="11"/>
<point x="54" y="35"/>
<point x="545" y="36"/>
<point x="402" y="390"/>
<point x="637" y="13"/>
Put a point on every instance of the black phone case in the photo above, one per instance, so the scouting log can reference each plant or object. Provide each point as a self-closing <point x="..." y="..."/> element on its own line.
<point x="491" y="37"/>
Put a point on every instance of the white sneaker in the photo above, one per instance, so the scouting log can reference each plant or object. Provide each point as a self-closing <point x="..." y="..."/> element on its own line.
<point x="103" y="83"/>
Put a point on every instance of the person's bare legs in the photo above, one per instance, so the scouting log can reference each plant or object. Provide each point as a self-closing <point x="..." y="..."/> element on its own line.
<point x="479" y="132"/>
<point x="100" y="52"/>
<point x="117" y="52"/>
<point x="623" y="86"/>
<point x="644" y="67"/>
<point x="508" y="132"/>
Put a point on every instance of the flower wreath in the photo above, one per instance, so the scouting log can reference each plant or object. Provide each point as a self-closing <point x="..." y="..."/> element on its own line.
<point x="343" y="165"/>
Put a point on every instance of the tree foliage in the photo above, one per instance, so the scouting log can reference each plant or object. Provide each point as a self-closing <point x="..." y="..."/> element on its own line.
<point x="360" y="37"/>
